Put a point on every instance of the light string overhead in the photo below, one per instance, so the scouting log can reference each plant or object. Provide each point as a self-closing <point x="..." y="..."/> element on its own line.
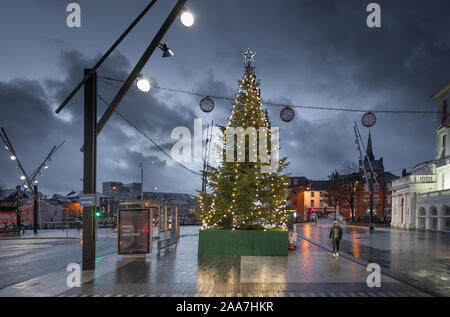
<point x="274" y="104"/>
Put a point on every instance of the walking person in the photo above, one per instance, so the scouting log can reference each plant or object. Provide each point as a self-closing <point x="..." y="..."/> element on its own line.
<point x="335" y="236"/>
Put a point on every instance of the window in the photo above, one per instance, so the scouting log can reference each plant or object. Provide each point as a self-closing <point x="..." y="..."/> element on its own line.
<point x="443" y="145"/>
<point x="446" y="218"/>
<point x="422" y="218"/>
<point x="433" y="212"/>
<point x="446" y="212"/>
<point x="312" y="203"/>
<point x="433" y="218"/>
<point x="312" y="194"/>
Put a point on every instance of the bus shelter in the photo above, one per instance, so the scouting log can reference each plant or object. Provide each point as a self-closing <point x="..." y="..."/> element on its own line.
<point x="142" y="224"/>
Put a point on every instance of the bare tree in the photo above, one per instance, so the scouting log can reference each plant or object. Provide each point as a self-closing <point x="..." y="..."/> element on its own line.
<point x="335" y="195"/>
<point x="350" y="184"/>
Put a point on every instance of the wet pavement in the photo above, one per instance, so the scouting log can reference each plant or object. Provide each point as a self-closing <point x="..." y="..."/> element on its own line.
<point x="421" y="258"/>
<point x="32" y="255"/>
<point x="308" y="271"/>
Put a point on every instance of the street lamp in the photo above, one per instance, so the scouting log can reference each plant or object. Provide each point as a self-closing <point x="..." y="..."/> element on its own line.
<point x="166" y="51"/>
<point x="187" y="18"/>
<point x="92" y="127"/>
<point x="12" y="157"/>
<point x="143" y="83"/>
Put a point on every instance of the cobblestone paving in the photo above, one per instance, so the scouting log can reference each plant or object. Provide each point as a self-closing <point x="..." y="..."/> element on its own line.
<point x="420" y="257"/>
<point x="307" y="271"/>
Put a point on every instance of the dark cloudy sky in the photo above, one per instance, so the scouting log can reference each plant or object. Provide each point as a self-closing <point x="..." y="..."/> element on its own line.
<point x="308" y="52"/>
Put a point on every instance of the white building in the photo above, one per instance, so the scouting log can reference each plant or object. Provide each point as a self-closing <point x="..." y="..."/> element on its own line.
<point x="421" y="199"/>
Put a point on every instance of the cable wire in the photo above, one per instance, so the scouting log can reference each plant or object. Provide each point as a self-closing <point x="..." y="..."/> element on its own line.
<point x="274" y="104"/>
<point x="148" y="137"/>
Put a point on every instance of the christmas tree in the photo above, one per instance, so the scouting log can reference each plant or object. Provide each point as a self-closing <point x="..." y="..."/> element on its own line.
<point x="247" y="192"/>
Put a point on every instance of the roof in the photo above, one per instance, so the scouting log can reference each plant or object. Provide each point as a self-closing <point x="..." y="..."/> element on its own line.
<point x="6" y="193"/>
<point x="376" y="164"/>
<point x="61" y="198"/>
<point x="442" y="91"/>
<point x="299" y="181"/>
<point x="319" y="185"/>
<point x="389" y="177"/>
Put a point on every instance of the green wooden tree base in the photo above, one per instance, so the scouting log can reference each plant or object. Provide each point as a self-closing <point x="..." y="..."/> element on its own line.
<point x="243" y="242"/>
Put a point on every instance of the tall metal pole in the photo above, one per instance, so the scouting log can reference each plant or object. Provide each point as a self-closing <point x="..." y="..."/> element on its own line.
<point x="140" y="65"/>
<point x="371" y="201"/>
<point x="89" y="167"/>
<point x="35" y="209"/>
<point x="104" y="57"/>
<point x="142" y="181"/>
<point x="18" y="207"/>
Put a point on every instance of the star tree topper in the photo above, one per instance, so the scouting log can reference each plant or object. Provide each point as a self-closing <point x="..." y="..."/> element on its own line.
<point x="249" y="57"/>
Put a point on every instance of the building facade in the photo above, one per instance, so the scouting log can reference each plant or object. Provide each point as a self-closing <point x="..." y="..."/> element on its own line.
<point x="116" y="191"/>
<point x="122" y="191"/>
<point x="382" y="195"/>
<point x="308" y="197"/>
<point x="421" y="198"/>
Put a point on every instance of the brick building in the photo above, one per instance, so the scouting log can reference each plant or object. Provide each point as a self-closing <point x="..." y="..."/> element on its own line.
<point x="382" y="196"/>
<point x="308" y="197"/>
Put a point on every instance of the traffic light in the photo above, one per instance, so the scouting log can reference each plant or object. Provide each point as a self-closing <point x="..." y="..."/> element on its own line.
<point x="97" y="212"/>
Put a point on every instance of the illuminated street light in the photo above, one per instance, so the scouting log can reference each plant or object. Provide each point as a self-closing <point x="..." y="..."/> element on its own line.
<point x="36" y="181"/>
<point x="46" y="166"/>
<point x="22" y="177"/>
<point x="143" y="84"/>
<point x="187" y="18"/>
<point x="13" y="158"/>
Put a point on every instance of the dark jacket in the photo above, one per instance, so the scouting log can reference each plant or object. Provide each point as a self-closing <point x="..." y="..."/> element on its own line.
<point x="339" y="232"/>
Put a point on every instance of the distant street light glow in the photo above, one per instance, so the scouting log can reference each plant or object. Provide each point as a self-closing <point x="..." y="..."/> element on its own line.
<point x="13" y="158"/>
<point x="187" y="18"/>
<point x="22" y="177"/>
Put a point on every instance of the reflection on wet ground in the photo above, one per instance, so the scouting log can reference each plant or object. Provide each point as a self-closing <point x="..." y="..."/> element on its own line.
<point x="420" y="255"/>
<point x="307" y="271"/>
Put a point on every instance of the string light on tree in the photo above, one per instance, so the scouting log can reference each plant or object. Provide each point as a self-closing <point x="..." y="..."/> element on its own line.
<point x="242" y="196"/>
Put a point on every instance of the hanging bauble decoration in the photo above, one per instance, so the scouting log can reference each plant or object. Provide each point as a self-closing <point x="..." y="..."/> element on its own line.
<point x="369" y="119"/>
<point x="207" y="104"/>
<point x="446" y="120"/>
<point x="287" y="114"/>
